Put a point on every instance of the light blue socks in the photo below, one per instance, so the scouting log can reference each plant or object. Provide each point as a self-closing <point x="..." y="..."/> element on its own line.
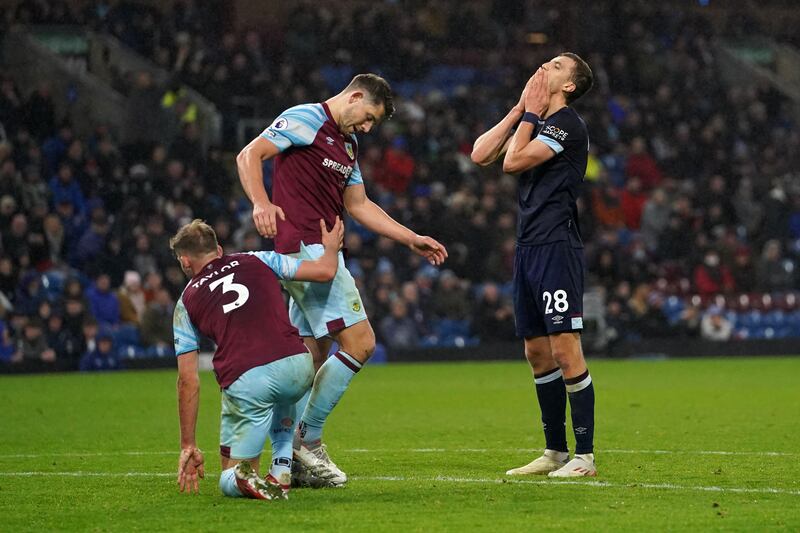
<point x="227" y="483"/>
<point x="330" y="383"/>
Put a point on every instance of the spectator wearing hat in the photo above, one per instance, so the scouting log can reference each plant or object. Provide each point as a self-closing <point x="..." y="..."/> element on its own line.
<point x="103" y="357"/>
<point x="131" y="298"/>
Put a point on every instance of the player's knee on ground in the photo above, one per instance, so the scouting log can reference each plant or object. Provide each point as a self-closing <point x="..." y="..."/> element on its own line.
<point x="227" y="483"/>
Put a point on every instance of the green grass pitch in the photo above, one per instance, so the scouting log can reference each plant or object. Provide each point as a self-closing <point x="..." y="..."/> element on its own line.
<point x="682" y="445"/>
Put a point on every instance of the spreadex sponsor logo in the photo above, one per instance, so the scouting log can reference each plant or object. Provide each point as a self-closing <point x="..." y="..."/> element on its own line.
<point x="208" y="277"/>
<point x="344" y="170"/>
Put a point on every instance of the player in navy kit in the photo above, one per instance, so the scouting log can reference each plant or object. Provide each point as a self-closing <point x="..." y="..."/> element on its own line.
<point x="316" y="175"/>
<point x="549" y="151"/>
<point x="261" y="364"/>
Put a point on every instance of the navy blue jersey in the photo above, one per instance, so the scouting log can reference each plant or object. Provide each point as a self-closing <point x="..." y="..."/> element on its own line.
<point x="548" y="192"/>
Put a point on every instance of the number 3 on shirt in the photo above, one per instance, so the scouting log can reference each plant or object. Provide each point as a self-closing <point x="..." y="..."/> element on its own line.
<point x="228" y="285"/>
<point x="557" y="299"/>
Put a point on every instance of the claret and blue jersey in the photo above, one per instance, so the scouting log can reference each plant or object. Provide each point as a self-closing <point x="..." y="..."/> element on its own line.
<point x="315" y="164"/>
<point x="236" y="301"/>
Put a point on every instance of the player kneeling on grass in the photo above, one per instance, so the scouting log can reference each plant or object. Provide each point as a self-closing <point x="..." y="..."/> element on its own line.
<point x="261" y="364"/>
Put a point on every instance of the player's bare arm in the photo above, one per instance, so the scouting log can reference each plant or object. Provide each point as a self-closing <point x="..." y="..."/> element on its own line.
<point x="251" y="176"/>
<point x="494" y="143"/>
<point x="371" y="216"/>
<point x="524" y="153"/>
<point x="190" y="463"/>
<point x="324" y="269"/>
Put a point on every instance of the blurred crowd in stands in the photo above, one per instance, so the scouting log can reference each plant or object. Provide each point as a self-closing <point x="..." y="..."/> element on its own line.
<point x="690" y="212"/>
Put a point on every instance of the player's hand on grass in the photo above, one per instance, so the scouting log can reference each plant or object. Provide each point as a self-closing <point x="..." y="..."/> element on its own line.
<point x="333" y="238"/>
<point x="537" y="93"/>
<point x="190" y="468"/>
<point x="429" y="248"/>
<point x="265" y="216"/>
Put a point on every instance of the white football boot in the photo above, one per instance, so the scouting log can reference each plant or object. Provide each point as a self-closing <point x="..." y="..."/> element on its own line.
<point x="549" y="461"/>
<point x="581" y="466"/>
<point x="315" y="468"/>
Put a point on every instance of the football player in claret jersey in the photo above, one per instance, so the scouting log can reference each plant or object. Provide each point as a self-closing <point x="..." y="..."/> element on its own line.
<point x="261" y="364"/>
<point x="316" y="175"/>
<point x="549" y="151"/>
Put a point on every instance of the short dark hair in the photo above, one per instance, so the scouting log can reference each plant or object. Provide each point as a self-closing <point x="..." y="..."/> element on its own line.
<point x="582" y="77"/>
<point x="378" y="90"/>
<point x="195" y="238"/>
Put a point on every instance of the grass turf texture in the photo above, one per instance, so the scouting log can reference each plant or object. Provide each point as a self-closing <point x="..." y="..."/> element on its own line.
<point x="479" y="419"/>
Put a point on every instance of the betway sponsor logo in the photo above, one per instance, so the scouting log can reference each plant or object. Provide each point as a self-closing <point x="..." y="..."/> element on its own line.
<point x="344" y="170"/>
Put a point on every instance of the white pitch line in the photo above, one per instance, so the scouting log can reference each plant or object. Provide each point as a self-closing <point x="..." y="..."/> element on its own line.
<point x="589" y="483"/>
<point x="703" y="452"/>
<point x="599" y="451"/>
<point x="448" y="479"/>
<point x="80" y="454"/>
<point x="426" y="450"/>
<point x="87" y="474"/>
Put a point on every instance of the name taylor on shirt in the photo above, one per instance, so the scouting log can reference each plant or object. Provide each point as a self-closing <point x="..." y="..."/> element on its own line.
<point x="199" y="283"/>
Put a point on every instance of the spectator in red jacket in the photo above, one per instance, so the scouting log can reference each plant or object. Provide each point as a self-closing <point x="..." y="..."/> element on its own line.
<point x="641" y="163"/>
<point x="632" y="203"/>
<point x="713" y="277"/>
<point x="397" y="167"/>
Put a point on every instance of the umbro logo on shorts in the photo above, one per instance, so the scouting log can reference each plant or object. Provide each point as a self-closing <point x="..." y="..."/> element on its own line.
<point x="558" y="319"/>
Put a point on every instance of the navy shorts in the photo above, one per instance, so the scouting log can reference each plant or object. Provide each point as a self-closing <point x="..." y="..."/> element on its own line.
<point x="548" y="289"/>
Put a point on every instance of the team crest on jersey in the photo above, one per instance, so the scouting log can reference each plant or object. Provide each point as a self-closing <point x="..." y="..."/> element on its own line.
<point x="356" y="307"/>
<point x="348" y="147"/>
